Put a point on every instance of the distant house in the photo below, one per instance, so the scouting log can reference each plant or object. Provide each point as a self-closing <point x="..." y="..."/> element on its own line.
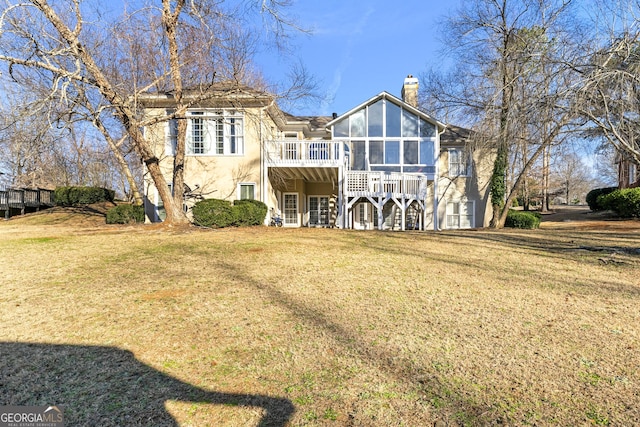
<point x="382" y="165"/>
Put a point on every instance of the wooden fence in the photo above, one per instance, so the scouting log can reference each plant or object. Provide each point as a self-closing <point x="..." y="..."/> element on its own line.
<point x="25" y="200"/>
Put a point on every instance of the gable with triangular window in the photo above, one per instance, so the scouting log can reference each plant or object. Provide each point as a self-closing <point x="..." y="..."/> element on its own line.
<point x="385" y="134"/>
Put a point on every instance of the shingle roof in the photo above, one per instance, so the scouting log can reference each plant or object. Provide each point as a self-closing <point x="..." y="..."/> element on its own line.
<point x="455" y="135"/>
<point x="213" y="94"/>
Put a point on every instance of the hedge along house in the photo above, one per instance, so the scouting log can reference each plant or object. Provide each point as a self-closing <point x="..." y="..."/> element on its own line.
<point x="382" y="165"/>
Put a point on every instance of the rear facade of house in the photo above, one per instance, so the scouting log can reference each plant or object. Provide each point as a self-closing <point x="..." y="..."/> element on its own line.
<point x="382" y="165"/>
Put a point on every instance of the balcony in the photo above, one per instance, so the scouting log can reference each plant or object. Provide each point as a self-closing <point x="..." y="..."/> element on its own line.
<point x="305" y="153"/>
<point x="387" y="184"/>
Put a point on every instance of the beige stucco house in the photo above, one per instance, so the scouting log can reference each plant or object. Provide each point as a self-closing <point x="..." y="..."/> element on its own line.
<point x="384" y="164"/>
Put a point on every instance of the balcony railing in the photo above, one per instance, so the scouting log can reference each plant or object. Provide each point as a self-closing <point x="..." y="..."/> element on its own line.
<point x="374" y="184"/>
<point x="309" y="153"/>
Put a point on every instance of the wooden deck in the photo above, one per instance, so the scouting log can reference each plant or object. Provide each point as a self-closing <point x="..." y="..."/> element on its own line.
<point x="23" y="200"/>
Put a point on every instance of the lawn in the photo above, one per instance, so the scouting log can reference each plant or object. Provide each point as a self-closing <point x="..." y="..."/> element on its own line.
<point x="140" y="325"/>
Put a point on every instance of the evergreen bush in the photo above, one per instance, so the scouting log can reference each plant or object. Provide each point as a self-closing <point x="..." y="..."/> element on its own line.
<point x="249" y="212"/>
<point x="624" y="202"/>
<point x="74" y="196"/>
<point x="220" y="213"/>
<point x="125" y="214"/>
<point x="523" y="219"/>
<point x="593" y="195"/>
<point x="213" y="213"/>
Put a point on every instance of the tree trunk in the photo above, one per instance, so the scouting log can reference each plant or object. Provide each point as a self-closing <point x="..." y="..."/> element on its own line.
<point x="514" y="190"/>
<point x="122" y="111"/>
<point x="170" y="20"/>
<point x="545" y="179"/>
<point x="175" y="215"/>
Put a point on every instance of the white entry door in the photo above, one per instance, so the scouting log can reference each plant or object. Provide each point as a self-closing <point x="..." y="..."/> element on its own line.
<point x="291" y="209"/>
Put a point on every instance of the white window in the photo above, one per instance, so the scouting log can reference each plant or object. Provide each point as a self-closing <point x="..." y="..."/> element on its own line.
<point x="318" y="211"/>
<point x="362" y="214"/>
<point x="395" y="139"/>
<point x="459" y="164"/>
<point x="291" y="146"/>
<point x="291" y="209"/>
<point x="632" y="173"/>
<point x="247" y="191"/>
<point x="235" y="135"/>
<point x="392" y="152"/>
<point x="215" y="133"/>
<point x="197" y="134"/>
<point x="171" y="137"/>
<point x="460" y="214"/>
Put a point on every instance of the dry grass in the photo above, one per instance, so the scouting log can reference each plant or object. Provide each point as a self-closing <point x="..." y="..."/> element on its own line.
<point x="138" y="325"/>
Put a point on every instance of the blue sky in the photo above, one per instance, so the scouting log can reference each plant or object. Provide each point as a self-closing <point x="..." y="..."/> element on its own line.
<point x="361" y="48"/>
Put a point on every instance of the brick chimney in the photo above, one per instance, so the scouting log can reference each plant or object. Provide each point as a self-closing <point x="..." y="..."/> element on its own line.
<point x="410" y="91"/>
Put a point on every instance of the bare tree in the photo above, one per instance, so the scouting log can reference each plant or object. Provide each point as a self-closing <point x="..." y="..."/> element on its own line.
<point x="185" y="44"/>
<point x="571" y="174"/>
<point x="610" y="85"/>
<point x="510" y="78"/>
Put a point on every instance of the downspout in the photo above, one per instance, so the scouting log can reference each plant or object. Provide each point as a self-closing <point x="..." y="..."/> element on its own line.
<point x="342" y="214"/>
<point x="263" y="159"/>
<point x="436" y="222"/>
<point x="264" y="170"/>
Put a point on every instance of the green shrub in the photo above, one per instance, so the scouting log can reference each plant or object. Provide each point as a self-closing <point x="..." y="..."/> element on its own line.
<point x="249" y="212"/>
<point x="624" y="202"/>
<point x="220" y="213"/>
<point x="593" y="195"/>
<point x="125" y="214"/>
<point x="74" y="196"/>
<point x="523" y="219"/>
<point x="213" y="213"/>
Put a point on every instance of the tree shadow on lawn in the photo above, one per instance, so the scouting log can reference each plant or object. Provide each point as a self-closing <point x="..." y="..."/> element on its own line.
<point x="392" y="362"/>
<point x="108" y="386"/>
<point x="571" y="241"/>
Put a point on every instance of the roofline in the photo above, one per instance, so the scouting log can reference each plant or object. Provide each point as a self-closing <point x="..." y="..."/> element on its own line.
<point x="214" y="98"/>
<point x="394" y="99"/>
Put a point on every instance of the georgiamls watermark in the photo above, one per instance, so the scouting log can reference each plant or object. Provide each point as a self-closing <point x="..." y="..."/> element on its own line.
<point x="31" y="416"/>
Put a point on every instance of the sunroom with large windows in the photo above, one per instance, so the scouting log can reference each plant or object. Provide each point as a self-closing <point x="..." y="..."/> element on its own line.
<point x="391" y="156"/>
<point x="383" y="136"/>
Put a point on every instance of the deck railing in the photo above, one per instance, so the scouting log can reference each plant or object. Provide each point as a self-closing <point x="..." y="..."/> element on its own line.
<point x="374" y="184"/>
<point x="305" y="153"/>
<point x="23" y="198"/>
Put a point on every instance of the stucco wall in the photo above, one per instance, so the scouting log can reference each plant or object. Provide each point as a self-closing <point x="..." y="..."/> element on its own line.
<point x="216" y="176"/>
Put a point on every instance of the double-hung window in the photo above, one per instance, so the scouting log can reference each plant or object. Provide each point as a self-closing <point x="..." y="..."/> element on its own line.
<point x="234" y="136"/>
<point x="247" y="191"/>
<point x="458" y="163"/>
<point x="197" y="133"/>
<point x="460" y="214"/>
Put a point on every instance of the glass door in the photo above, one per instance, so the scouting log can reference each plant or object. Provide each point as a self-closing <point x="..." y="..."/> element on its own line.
<point x="318" y="211"/>
<point x="291" y="209"/>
